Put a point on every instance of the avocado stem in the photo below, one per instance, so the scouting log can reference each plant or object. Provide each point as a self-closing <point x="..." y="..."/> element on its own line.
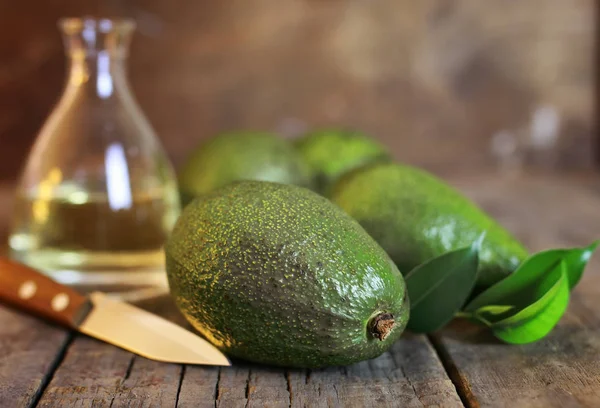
<point x="381" y="325"/>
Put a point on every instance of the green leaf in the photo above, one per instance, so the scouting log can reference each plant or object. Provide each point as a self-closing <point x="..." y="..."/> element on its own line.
<point x="514" y="289"/>
<point x="538" y="319"/>
<point x="525" y="285"/>
<point x="525" y="306"/>
<point x="438" y="288"/>
<point x="577" y="260"/>
<point x="531" y="302"/>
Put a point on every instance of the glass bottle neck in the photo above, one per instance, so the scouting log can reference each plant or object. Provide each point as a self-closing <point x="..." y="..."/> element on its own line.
<point x="100" y="74"/>
<point x="97" y="50"/>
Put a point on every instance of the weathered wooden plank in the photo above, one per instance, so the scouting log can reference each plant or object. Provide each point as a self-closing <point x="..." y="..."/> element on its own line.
<point x="29" y="348"/>
<point x="198" y="387"/>
<point x="90" y="375"/>
<point x="100" y="375"/>
<point x="268" y="387"/>
<point x="562" y="370"/>
<point x="242" y="385"/>
<point x="97" y="374"/>
<point x="234" y="386"/>
<point x="409" y="375"/>
<point x="149" y="384"/>
<point x="29" y="352"/>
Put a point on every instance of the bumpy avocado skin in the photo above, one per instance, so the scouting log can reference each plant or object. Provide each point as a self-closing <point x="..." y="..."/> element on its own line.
<point x="277" y="274"/>
<point x="331" y="153"/>
<point x="416" y="216"/>
<point x="241" y="155"/>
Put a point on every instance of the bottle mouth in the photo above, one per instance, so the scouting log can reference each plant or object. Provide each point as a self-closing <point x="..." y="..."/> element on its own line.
<point x="88" y="36"/>
<point x="74" y="25"/>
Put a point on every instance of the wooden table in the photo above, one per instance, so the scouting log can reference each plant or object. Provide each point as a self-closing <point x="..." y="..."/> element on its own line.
<point x="43" y="365"/>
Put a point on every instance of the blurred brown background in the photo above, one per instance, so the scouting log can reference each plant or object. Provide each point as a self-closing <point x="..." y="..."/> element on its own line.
<point x="438" y="81"/>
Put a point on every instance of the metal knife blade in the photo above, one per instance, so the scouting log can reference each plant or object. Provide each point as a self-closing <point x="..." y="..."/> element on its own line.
<point x="146" y="334"/>
<point x="106" y="319"/>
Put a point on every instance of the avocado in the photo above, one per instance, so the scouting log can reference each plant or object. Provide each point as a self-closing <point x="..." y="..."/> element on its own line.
<point x="241" y="155"/>
<point x="277" y="274"/>
<point x="416" y="216"/>
<point x="330" y="153"/>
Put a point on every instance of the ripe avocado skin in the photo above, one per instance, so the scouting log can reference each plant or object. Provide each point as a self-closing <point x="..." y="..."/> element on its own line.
<point x="241" y="155"/>
<point x="331" y="153"/>
<point x="277" y="274"/>
<point x="416" y="216"/>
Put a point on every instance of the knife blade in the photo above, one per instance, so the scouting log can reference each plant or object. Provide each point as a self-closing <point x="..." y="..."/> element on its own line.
<point x="106" y="319"/>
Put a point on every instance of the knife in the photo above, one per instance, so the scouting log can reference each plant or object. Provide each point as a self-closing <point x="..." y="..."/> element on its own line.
<point x="99" y="316"/>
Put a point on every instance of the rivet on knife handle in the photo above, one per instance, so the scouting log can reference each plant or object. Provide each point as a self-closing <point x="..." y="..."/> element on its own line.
<point x="28" y="289"/>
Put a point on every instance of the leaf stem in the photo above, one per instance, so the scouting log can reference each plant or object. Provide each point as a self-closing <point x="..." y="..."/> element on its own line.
<point x="482" y="320"/>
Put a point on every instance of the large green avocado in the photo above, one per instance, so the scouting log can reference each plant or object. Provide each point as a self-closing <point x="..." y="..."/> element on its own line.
<point x="241" y="155"/>
<point x="416" y="216"/>
<point x="277" y="274"/>
<point x="330" y="153"/>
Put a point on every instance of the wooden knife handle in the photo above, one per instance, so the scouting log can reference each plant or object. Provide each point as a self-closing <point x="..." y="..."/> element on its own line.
<point x="29" y="290"/>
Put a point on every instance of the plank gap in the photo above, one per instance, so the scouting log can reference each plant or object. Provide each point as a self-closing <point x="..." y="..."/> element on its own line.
<point x="286" y="374"/>
<point x="60" y="356"/>
<point x="248" y="385"/>
<point x="217" y="393"/>
<point x="129" y="368"/>
<point x="181" y="375"/>
<point x="462" y="387"/>
<point x="125" y="377"/>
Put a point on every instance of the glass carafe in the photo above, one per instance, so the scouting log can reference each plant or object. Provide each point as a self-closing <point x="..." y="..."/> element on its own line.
<point x="98" y="195"/>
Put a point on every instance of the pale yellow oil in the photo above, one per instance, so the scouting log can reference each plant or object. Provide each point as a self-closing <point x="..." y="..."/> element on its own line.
<point x="72" y="230"/>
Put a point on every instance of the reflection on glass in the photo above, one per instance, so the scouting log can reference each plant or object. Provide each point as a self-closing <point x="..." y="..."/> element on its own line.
<point x="98" y="196"/>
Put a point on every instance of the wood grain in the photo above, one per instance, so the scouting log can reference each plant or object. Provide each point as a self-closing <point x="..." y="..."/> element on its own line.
<point x="199" y="387"/>
<point x="30" y="349"/>
<point x="562" y="370"/>
<point x="29" y="352"/>
<point x="90" y="375"/>
<point x="409" y="375"/>
<point x="97" y="374"/>
<point x="149" y="384"/>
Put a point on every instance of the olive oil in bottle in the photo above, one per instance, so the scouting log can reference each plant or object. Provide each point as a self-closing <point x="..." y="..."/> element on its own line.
<point x="78" y="232"/>
<point x="98" y="195"/>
